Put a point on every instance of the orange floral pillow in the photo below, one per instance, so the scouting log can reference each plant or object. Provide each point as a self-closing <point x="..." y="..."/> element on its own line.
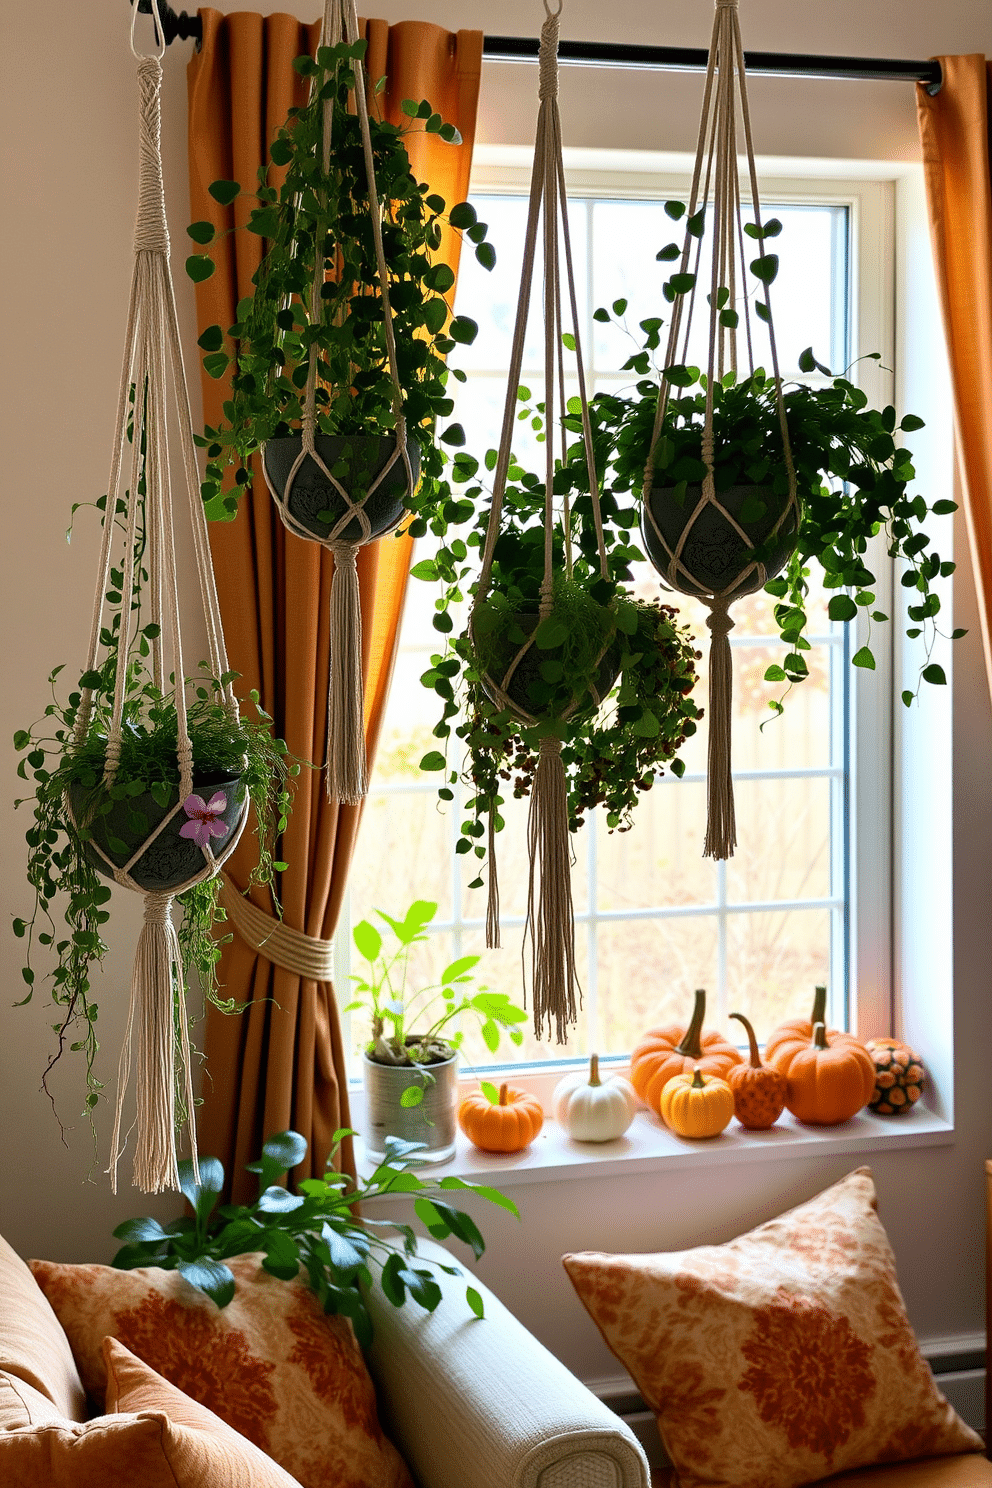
<point x="781" y="1357"/>
<point x="270" y="1364"/>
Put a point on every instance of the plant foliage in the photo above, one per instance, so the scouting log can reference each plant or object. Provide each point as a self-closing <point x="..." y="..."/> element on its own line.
<point x="316" y="1230"/>
<point x="416" y="1019"/>
<point x="317" y="216"/>
<point x="65" y="883"/>
<point x="611" y="753"/>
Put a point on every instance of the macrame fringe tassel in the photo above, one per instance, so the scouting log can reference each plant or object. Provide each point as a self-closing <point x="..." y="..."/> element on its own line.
<point x="156" y="981"/>
<point x="721" y="824"/>
<point x="492" y="903"/>
<point x="347" y="766"/>
<point x="552" y="924"/>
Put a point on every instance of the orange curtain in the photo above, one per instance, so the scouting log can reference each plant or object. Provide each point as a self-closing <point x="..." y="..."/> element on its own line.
<point x="955" y="132"/>
<point x="282" y="1063"/>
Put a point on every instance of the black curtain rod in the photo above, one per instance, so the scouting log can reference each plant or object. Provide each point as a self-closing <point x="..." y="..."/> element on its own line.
<point x="185" y="27"/>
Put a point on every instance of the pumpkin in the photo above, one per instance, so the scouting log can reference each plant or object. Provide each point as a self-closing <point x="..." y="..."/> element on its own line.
<point x="829" y="1078"/>
<point x="800" y="1028"/>
<point x="696" y="1105"/>
<point x="899" y="1077"/>
<point x="675" y="1050"/>
<point x="508" y="1126"/>
<point x="759" y="1090"/>
<point x="591" y="1109"/>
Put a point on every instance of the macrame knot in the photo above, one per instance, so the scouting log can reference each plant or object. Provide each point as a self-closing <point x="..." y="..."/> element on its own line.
<point x="718" y="619"/>
<point x="158" y="908"/>
<point x="548" y="59"/>
<point x="150" y="231"/>
<point x="345" y="554"/>
<point x="552" y="745"/>
<point x="726" y="4"/>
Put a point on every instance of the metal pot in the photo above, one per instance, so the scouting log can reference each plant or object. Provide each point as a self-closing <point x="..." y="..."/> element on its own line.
<point x="432" y="1122"/>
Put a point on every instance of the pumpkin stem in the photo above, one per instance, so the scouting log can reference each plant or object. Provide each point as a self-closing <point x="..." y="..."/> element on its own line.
<point x="698" y="1083"/>
<point x="690" y="1047"/>
<point x="820" y="1036"/>
<point x="819" y="1013"/>
<point x="502" y="1095"/>
<point x="594" y="1070"/>
<point x="755" y="1056"/>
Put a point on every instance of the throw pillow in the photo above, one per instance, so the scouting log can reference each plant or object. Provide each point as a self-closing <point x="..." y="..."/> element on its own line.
<point x="23" y="1405"/>
<point x="270" y="1364"/>
<point x="33" y="1347"/>
<point x="781" y="1357"/>
<point x="166" y="1442"/>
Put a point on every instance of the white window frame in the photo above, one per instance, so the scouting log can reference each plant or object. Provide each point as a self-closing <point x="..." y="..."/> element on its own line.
<point x="878" y="196"/>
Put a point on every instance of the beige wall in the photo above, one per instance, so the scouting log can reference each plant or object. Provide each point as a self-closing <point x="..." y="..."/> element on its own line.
<point x="67" y="121"/>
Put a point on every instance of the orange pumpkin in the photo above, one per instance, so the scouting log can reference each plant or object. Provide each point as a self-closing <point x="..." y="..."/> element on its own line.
<point x="509" y="1126"/>
<point x="899" y="1076"/>
<point x="759" y="1090"/>
<point x="828" y="1078"/>
<point x="801" y="1028"/>
<point x="696" y="1105"/>
<point x="677" y="1050"/>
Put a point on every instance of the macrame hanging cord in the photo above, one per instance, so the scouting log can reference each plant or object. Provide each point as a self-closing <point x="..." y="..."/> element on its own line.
<point x="347" y="766"/>
<point x="550" y="922"/>
<point x="676" y="549"/>
<point x="157" y="1020"/>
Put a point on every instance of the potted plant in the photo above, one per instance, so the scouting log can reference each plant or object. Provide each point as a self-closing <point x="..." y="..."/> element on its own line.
<point x="318" y="1230"/>
<point x="851" y="483"/>
<point x="288" y="345"/>
<point x="86" y="829"/>
<point x="410" y="1063"/>
<point x="599" y="646"/>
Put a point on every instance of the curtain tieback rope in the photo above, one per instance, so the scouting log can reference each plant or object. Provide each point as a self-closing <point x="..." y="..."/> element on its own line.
<point x="291" y="950"/>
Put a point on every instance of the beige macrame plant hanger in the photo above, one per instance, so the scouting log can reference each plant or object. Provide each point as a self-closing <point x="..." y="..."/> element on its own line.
<point x="550" y="919"/>
<point x="157" y="1019"/>
<point x="347" y="766"/>
<point x="716" y="177"/>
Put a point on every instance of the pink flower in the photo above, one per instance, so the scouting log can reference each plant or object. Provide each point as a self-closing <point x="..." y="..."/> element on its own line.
<point x="204" y="817"/>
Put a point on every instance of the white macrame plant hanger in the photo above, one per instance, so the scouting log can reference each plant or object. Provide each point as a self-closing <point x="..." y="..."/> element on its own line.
<point x="716" y="174"/>
<point x="550" y="917"/>
<point x="157" y="1019"/>
<point x="347" y="766"/>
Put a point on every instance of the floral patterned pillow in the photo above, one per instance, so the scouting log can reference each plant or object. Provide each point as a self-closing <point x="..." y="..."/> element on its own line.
<point x="270" y="1364"/>
<point x="781" y="1357"/>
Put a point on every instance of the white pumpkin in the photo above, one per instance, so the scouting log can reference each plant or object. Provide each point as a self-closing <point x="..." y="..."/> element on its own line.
<point x="594" y="1110"/>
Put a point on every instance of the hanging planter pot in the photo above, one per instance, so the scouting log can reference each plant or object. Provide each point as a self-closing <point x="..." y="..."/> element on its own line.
<point x="363" y="465"/>
<point x="730" y="546"/>
<point x="348" y="327"/>
<point x="159" y="843"/>
<point x="115" y="791"/>
<point x="549" y="670"/>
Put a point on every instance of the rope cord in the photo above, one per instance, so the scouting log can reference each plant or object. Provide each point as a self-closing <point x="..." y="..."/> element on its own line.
<point x="152" y="359"/>
<point x="716" y="178"/>
<point x="305" y="955"/>
<point x="550" y="922"/>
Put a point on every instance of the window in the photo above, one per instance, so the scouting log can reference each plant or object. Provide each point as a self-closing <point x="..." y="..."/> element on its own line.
<point x="653" y="919"/>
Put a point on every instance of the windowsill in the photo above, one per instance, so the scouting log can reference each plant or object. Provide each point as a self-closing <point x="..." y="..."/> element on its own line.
<point x="650" y="1147"/>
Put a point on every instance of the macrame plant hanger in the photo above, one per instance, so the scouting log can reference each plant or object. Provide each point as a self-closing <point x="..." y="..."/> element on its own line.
<point x="550" y="918"/>
<point x="157" y="1018"/>
<point x="716" y="173"/>
<point x="347" y="766"/>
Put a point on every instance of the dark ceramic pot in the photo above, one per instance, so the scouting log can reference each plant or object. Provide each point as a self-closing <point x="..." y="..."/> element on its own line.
<point x="170" y="862"/>
<point x="714" y="552"/>
<point x="356" y="459"/>
<point x="527" y="673"/>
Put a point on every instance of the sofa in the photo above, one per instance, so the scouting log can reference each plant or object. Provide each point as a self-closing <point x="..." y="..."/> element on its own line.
<point x="468" y="1403"/>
